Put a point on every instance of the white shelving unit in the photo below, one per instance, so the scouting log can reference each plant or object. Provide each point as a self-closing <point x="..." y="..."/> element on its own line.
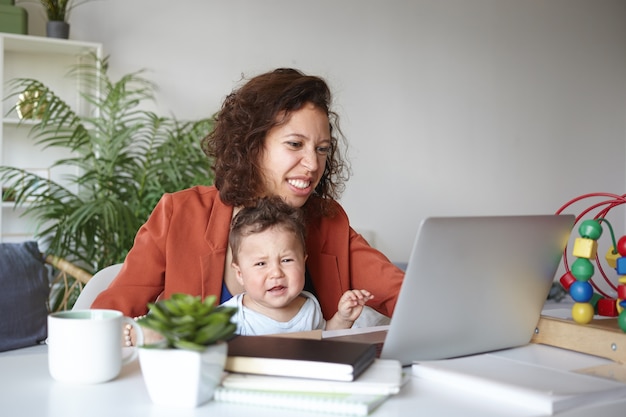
<point x="47" y="60"/>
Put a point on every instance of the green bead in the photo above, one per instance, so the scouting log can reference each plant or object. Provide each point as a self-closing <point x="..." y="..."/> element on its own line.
<point x="590" y="229"/>
<point x="621" y="320"/>
<point x="594" y="300"/>
<point x="582" y="269"/>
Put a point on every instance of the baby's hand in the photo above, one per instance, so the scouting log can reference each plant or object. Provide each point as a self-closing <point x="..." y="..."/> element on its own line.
<point x="352" y="302"/>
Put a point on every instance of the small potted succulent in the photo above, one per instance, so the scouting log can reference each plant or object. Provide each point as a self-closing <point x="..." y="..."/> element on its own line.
<point x="184" y="368"/>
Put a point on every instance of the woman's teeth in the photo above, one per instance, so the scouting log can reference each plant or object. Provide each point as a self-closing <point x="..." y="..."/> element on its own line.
<point x="301" y="184"/>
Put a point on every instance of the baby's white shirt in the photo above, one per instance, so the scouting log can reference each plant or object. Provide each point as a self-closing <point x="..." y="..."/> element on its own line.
<point x="251" y="323"/>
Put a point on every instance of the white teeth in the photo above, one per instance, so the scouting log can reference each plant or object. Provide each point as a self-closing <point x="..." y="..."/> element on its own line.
<point x="301" y="184"/>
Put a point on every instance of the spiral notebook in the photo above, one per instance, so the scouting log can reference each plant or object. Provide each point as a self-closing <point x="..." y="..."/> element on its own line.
<point x="326" y="402"/>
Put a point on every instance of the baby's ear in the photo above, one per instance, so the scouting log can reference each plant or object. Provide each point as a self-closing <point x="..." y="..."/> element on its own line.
<point x="237" y="272"/>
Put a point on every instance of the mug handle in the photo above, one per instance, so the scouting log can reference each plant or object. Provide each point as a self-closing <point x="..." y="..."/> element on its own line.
<point x="138" y="340"/>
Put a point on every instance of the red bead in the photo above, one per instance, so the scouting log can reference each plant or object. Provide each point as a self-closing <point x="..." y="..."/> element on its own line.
<point x="567" y="280"/>
<point x="621" y="291"/>
<point x="621" y="245"/>
<point x="607" y="307"/>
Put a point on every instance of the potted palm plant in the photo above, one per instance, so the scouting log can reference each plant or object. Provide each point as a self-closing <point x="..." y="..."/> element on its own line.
<point x="58" y="12"/>
<point x="123" y="159"/>
<point x="184" y="368"/>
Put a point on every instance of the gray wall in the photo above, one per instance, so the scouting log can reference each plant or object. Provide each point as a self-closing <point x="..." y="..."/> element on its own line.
<point x="451" y="107"/>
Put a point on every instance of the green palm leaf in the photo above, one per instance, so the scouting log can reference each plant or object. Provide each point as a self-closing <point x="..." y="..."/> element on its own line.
<point x="123" y="159"/>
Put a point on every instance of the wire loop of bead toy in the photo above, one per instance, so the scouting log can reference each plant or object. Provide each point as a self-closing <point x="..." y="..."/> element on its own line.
<point x="589" y="298"/>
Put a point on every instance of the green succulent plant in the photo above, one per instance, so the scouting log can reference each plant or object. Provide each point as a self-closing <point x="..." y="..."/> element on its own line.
<point x="188" y="322"/>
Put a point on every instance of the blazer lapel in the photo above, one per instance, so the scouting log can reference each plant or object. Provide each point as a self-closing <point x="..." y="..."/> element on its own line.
<point x="216" y="237"/>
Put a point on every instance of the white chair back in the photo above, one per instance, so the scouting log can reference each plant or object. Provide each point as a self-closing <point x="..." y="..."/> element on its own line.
<point x="96" y="284"/>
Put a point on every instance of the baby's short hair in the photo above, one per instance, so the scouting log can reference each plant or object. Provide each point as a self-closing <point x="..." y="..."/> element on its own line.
<point x="267" y="213"/>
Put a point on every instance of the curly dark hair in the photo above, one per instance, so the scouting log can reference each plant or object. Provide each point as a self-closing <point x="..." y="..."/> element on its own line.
<point x="247" y="114"/>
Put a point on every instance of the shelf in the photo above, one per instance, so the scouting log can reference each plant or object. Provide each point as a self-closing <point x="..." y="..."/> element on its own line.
<point x="50" y="61"/>
<point x="15" y="121"/>
<point x="44" y="45"/>
<point x="11" y="206"/>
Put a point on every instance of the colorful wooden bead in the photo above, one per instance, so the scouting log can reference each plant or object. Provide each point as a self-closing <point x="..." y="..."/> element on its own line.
<point x="594" y="300"/>
<point x="581" y="291"/>
<point x="585" y="248"/>
<point x="567" y="280"/>
<point x="590" y="229"/>
<point x="582" y="269"/>
<point x="607" y="307"/>
<point x="582" y="313"/>
<point x="611" y="257"/>
<point x="621" y="320"/>
<point x="620" y="266"/>
<point x="621" y="245"/>
<point x="621" y="291"/>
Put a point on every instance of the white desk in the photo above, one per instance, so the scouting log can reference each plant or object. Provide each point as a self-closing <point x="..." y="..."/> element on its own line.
<point x="26" y="389"/>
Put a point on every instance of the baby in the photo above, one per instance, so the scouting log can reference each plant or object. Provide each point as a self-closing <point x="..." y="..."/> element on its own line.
<point x="269" y="254"/>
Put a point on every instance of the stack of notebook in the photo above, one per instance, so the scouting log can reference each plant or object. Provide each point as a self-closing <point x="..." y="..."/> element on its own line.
<point x="308" y="374"/>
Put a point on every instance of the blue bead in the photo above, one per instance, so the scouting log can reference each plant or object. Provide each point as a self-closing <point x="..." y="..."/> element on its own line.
<point x="581" y="291"/>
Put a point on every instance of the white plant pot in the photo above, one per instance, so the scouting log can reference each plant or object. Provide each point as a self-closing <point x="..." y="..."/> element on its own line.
<point x="182" y="378"/>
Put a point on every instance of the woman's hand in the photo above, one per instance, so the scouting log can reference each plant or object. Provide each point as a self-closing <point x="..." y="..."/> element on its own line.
<point x="149" y="336"/>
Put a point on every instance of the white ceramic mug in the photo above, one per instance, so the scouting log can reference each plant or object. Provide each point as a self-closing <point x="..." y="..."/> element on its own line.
<point x="86" y="346"/>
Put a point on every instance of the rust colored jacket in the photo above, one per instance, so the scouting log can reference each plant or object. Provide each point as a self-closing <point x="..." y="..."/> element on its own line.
<point x="182" y="248"/>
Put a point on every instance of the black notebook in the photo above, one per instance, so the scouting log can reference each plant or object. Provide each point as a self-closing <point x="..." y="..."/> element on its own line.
<point x="306" y="358"/>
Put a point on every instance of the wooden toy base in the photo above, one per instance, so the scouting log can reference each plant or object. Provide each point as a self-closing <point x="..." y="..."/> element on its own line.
<point x="601" y="337"/>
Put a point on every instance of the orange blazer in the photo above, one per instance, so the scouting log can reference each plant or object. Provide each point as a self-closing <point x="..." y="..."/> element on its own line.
<point x="182" y="248"/>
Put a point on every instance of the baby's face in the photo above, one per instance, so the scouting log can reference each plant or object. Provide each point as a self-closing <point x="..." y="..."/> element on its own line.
<point x="271" y="267"/>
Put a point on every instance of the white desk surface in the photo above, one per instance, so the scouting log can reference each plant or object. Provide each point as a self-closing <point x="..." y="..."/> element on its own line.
<point x="26" y="389"/>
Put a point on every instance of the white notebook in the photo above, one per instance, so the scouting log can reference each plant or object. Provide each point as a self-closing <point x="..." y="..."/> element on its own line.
<point x="382" y="379"/>
<point x="520" y="384"/>
<point x="384" y="376"/>
<point x="334" y="402"/>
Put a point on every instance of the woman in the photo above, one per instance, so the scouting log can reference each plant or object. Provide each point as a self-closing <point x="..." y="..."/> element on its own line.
<point x="273" y="136"/>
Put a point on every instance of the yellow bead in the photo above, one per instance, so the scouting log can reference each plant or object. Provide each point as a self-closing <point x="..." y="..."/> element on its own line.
<point x="611" y="258"/>
<point x="582" y="313"/>
<point x="585" y="248"/>
<point x="619" y="307"/>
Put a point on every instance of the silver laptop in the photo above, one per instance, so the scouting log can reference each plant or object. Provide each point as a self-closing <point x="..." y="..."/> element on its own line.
<point x="475" y="284"/>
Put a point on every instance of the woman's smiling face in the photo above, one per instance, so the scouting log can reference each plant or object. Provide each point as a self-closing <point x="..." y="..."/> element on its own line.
<point x="294" y="155"/>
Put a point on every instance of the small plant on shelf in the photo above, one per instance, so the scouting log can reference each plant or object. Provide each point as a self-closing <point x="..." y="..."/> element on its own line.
<point x="59" y="10"/>
<point x="188" y="322"/>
